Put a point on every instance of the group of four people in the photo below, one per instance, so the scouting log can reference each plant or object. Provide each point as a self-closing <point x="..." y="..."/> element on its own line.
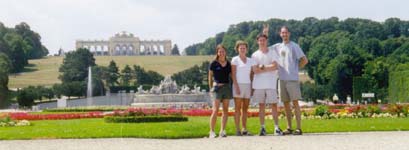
<point x="256" y="78"/>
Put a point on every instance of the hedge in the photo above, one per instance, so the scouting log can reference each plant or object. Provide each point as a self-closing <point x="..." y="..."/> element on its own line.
<point x="399" y="86"/>
<point x="86" y="109"/>
<point x="116" y="89"/>
<point x="140" y="119"/>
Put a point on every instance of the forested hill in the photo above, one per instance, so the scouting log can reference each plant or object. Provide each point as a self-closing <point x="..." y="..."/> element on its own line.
<point x="339" y="51"/>
<point x="302" y="31"/>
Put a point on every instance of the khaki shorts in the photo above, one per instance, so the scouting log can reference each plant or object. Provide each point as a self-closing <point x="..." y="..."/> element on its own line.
<point x="268" y="96"/>
<point x="245" y="91"/>
<point x="290" y="90"/>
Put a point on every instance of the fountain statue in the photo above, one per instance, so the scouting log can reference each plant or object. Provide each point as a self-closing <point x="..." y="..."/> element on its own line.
<point x="89" y="87"/>
<point x="168" y="92"/>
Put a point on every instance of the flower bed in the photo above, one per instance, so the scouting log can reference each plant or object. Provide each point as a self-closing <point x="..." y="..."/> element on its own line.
<point x="27" y="116"/>
<point x="138" y="115"/>
<point x="8" y="122"/>
<point x="357" y="111"/>
<point x="320" y="111"/>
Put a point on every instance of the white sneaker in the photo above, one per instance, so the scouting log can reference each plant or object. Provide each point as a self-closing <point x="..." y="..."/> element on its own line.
<point x="212" y="134"/>
<point x="223" y="133"/>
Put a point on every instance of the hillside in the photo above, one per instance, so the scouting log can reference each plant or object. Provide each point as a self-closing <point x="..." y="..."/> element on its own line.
<point x="45" y="71"/>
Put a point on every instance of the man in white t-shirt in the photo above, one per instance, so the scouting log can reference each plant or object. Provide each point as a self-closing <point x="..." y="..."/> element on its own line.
<point x="291" y="58"/>
<point x="265" y="82"/>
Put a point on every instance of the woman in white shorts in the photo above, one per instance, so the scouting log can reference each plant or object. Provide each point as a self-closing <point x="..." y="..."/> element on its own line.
<point x="241" y="75"/>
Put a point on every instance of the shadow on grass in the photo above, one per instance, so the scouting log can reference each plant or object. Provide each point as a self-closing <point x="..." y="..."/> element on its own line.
<point x="29" y="68"/>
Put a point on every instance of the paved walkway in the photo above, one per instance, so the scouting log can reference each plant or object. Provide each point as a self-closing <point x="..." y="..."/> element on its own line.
<point x="322" y="141"/>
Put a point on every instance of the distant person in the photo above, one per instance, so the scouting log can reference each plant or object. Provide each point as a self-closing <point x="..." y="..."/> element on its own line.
<point x="291" y="58"/>
<point x="219" y="75"/>
<point x="265" y="82"/>
<point x="242" y="77"/>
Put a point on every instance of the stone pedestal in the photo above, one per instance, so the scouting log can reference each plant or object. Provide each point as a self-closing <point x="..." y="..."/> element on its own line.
<point x="62" y="103"/>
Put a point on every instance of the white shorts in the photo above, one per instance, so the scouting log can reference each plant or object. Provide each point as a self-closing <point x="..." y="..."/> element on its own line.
<point x="268" y="96"/>
<point x="245" y="91"/>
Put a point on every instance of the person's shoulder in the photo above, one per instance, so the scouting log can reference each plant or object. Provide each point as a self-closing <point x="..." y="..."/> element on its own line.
<point x="214" y="62"/>
<point x="234" y="58"/>
<point x="276" y="45"/>
<point x="251" y="60"/>
<point x="255" y="53"/>
<point x="294" y="44"/>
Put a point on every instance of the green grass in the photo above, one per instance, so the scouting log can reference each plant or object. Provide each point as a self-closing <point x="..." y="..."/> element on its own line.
<point x="45" y="71"/>
<point x="196" y="127"/>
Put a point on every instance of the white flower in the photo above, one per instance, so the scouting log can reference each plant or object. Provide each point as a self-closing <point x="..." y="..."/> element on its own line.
<point x="23" y="123"/>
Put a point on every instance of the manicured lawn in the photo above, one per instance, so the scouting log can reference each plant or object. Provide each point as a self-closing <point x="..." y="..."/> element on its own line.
<point x="196" y="127"/>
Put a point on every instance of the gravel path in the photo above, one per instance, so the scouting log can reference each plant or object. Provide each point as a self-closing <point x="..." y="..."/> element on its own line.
<point x="339" y="141"/>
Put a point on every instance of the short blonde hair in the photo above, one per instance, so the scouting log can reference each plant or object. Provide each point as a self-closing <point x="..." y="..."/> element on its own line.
<point x="240" y="42"/>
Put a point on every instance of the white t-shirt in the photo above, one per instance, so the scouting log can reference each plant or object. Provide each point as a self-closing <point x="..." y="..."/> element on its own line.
<point x="266" y="80"/>
<point x="243" y="70"/>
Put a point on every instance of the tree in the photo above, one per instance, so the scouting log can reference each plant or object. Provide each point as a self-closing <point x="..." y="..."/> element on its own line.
<point x="26" y="96"/>
<point x="49" y="93"/>
<point x="175" y="50"/>
<point x="196" y="75"/>
<point x="113" y="74"/>
<point x="74" y="88"/>
<point x="4" y="78"/>
<point x="126" y="76"/>
<point x="99" y="74"/>
<point x="17" y="47"/>
<point x="36" y="50"/>
<point x="334" y="59"/>
<point x="75" y="65"/>
<point x="144" y="77"/>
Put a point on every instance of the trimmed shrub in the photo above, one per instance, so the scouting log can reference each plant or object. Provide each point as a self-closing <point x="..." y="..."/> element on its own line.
<point x="322" y="110"/>
<point x="399" y="86"/>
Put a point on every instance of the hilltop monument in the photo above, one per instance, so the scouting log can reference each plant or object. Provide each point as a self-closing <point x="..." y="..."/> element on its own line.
<point x="126" y="44"/>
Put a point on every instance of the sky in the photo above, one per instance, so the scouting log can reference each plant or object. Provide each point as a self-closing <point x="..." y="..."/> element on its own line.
<point x="185" y="22"/>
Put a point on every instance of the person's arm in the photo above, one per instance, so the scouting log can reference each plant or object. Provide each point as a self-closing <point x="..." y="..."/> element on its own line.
<point x="265" y="29"/>
<point x="257" y="70"/>
<point x="271" y="67"/>
<point x="251" y="79"/>
<point x="301" y="56"/>
<point x="233" y="76"/>
<point x="210" y="79"/>
<point x="303" y="62"/>
<point x="266" y="68"/>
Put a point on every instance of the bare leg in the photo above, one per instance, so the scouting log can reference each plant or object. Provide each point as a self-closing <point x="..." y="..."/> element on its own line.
<point x="288" y="114"/>
<point x="213" y="117"/>
<point x="297" y="113"/>
<point x="274" y="112"/>
<point x="244" y="115"/>
<point x="237" y="112"/>
<point x="225" y="114"/>
<point x="262" y="111"/>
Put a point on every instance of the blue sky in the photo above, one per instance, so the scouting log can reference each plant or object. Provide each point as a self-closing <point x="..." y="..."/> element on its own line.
<point x="61" y="22"/>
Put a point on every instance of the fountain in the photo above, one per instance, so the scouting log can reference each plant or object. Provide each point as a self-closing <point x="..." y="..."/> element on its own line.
<point x="167" y="93"/>
<point x="89" y="87"/>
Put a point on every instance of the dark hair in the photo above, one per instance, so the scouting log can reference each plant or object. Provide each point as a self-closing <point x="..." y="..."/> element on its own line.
<point x="285" y="27"/>
<point x="261" y="35"/>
